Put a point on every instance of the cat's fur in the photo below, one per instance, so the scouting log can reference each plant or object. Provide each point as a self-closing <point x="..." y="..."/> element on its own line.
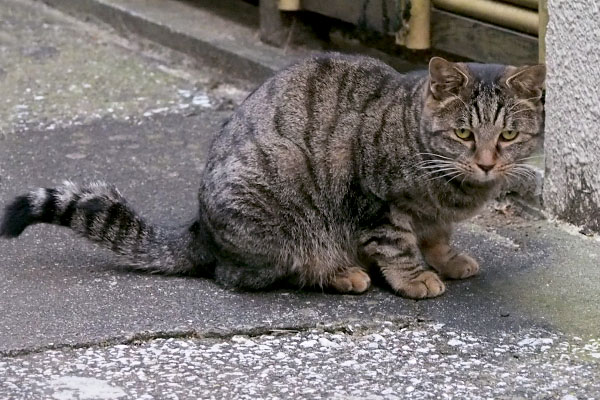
<point x="333" y="165"/>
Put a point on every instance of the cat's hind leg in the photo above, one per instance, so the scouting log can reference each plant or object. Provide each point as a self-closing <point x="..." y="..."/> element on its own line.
<point x="241" y="275"/>
<point x="351" y="280"/>
<point x="332" y="265"/>
<point x="326" y="274"/>
<point x="392" y="246"/>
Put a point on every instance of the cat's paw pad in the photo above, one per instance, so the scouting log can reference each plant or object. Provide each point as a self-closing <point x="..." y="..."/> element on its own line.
<point x="427" y="284"/>
<point x="460" y="266"/>
<point x="354" y="280"/>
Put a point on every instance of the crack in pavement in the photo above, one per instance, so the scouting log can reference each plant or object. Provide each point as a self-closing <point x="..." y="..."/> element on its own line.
<point x="348" y="327"/>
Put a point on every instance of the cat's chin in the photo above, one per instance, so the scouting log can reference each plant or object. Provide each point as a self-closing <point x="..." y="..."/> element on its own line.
<point x="479" y="184"/>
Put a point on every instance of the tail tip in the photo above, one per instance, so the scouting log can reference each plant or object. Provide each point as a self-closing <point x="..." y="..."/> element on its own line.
<point x="17" y="216"/>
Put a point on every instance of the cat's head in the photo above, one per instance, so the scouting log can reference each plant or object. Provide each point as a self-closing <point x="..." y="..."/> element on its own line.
<point x="481" y="121"/>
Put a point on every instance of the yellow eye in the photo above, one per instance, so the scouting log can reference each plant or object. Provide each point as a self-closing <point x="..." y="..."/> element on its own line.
<point x="463" y="133"/>
<point x="509" y="135"/>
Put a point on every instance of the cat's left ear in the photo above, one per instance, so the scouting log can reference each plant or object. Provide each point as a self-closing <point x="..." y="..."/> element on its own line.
<point x="447" y="79"/>
<point x="527" y="82"/>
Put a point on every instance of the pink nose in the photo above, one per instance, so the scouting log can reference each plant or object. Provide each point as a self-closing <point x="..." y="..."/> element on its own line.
<point x="486" y="167"/>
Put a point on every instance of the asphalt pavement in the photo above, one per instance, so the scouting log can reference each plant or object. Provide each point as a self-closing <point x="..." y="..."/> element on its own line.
<point x="81" y="103"/>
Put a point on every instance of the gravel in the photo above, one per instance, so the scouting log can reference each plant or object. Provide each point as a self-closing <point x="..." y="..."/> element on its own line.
<point x="383" y="361"/>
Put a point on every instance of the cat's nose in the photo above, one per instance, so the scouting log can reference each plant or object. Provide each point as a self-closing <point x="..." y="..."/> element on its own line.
<point x="486" y="167"/>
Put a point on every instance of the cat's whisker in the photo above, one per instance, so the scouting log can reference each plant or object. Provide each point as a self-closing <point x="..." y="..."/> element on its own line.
<point x="524" y="169"/>
<point x="429" y="174"/>
<point x="526" y="172"/>
<point x="530" y="157"/>
<point x="515" y="178"/>
<point x="522" y="110"/>
<point x="518" y="163"/>
<point x="521" y="168"/>
<point x="434" y="162"/>
<point x="438" y="167"/>
<point x="432" y="171"/>
<point x="509" y="173"/>
<point x="507" y="177"/>
<point x="522" y="119"/>
<point x="429" y="167"/>
<point x="462" y="173"/>
<point x="518" y="174"/>
<point x="433" y="178"/>
<point x="435" y="155"/>
<point x="524" y="176"/>
<point x="443" y="176"/>
<point x="434" y="165"/>
<point x="522" y="165"/>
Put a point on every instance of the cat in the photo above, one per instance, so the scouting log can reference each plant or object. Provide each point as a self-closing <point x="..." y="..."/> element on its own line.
<point x="333" y="166"/>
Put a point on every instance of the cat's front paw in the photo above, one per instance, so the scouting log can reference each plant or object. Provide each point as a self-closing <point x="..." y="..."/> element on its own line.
<point x="427" y="284"/>
<point x="460" y="266"/>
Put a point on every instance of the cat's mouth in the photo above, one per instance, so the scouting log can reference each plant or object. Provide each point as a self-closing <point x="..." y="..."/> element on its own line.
<point x="488" y="180"/>
<point x="484" y="175"/>
<point x="480" y="184"/>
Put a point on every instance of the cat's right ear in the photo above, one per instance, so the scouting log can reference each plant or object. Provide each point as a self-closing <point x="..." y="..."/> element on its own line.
<point x="446" y="79"/>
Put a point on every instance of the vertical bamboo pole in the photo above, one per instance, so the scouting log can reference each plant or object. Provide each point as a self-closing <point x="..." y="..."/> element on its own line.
<point x="415" y="33"/>
<point x="289" y="5"/>
<point x="543" y="12"/>
<point x="419" y="32"/>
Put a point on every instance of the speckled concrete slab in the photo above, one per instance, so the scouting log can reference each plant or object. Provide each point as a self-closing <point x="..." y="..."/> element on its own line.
<point x="385" y="361"/>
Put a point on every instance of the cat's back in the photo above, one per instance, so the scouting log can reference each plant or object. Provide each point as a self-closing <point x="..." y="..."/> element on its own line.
<point x="294" y="134"/>
<point x="309" y="100"/>
<point x="329" y="79"/>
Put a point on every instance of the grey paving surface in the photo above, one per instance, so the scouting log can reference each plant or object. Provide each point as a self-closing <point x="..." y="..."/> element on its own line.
<point x="56" y="72"/>
<point x="73" y="325"/>
<point x="386" y="361"/>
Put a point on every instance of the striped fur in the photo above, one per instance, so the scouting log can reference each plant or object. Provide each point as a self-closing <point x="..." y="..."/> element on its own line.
<point x="99" y="213"/>
<point x="334" y="165"/>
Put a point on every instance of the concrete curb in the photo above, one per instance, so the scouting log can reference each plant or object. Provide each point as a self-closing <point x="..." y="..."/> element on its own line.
<point x="233" y="48"/>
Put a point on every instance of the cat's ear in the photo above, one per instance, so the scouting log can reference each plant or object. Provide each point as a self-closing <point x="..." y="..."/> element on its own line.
<point x="526" y="82"/>
<point x="446" y="78"/>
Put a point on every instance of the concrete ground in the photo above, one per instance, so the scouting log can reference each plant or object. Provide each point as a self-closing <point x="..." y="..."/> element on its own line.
<point x="79" y="102"/>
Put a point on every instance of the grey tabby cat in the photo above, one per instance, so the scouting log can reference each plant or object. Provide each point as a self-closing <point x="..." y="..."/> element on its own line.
<point x="334" y="165"/>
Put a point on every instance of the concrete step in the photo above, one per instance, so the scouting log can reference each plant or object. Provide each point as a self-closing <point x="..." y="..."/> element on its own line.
<point x="230" y="45"/>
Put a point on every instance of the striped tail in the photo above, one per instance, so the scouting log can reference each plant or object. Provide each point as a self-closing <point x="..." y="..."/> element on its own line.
<point x="99" y="213"/>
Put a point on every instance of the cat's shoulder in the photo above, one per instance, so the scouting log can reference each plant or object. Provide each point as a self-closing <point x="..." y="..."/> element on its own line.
<point x="341" y="60"/>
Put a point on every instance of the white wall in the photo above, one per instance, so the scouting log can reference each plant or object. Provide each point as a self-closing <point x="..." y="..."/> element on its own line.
<point x="572" y="141"/>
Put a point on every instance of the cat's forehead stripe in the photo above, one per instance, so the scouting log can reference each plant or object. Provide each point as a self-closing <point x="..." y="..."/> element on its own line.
<point x="486" y="101"/>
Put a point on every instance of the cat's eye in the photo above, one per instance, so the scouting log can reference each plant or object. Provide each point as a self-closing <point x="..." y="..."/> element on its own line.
<point x="463" y="133"/>
<point x="509" y="135"/>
